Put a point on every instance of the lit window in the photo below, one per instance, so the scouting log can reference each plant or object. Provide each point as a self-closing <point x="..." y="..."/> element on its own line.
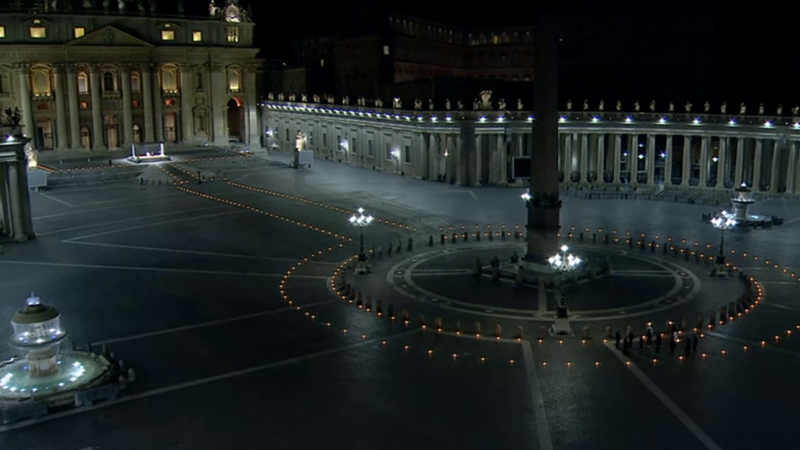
<point x="2" y="31"/>
<point x="233" y="34"/>
<point x="386" y="50"/>
<point x="135" y="83"/>
<point x="84" y="105"/>
<point x="38" y="32"/>
<point x="83" y="83"/>
<point x="233" y="80"/>
<point x="41" y="83"/>
<point x="168" y="80"/>
<point x="79" y="32"/>
<point x="197" y="36"/>
<point x="167" y="35"/>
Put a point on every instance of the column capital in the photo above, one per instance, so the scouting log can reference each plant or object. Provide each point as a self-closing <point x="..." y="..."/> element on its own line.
<point x="21" y="67"/>
<point x="125" y="68"/>
<point x="216" y="67"/>
<point x="71" y="68"/>
<point x="94" y="68"/>
<point x="251" y="68"/>
<point x="186" y="67"/>
<point x="58" y="67"/>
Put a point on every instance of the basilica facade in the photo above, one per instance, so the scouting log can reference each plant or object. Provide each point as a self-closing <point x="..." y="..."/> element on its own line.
<point x="96" y="78"/>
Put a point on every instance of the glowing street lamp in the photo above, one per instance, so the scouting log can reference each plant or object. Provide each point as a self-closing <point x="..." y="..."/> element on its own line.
<point x="722" y="223"/>
<point x="526" y="196"/>
<point x="564" y="261"/>
<point x="361" y="221"/>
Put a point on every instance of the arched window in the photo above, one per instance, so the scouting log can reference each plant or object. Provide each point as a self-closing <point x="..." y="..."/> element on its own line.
<point x="109" y="83"/>
<point x="234" y="82"/>
<point x="136" y="83"/>
<point x="83" y="83"/>
<point x="168" y="80"/>
<point x="41" y="83"/>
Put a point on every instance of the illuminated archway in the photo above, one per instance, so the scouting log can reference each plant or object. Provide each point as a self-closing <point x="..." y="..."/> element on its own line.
<point x="235" y="120"/>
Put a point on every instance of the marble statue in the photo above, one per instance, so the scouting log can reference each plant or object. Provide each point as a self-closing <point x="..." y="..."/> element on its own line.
<point x="153" y="6"/>
<point x="106" y="4"/>
<point x="652" y="105"/>
<point x="671" y="107"/>
<point x="447" y="104"/>
<point x="779" y="110"/>
<point x="476" y="105"/>
<point x="723" y="109"/>
<point x="121" y="5"/>
<point x="520" y="106"/>
<point x="795" y="110"/>
<point x="707" y="107"/>
<point x="761" y="109"/>
<point x="280" y="97"/>
<point x="331" y="99"/>
<point x="636" y="106"/>
<point x="619" y="105"/>
<point x="460" y="105"/>
<point x="89" y="4"/>
<point x="569" y="105"/>
<point x="585" y="104"/>
<point x="32" y="156"/>
<point x="397" y="103"/>
<point x="315" y="97"/>
<point x="291" y="97"/>
<point x="378" y="103"/>
<point x="180" y="7"/>
<point x="688" y="107"/>
<point x="270" y="96"/>
<point x="11" y="118"/>
<point x="304" y="98"/>
<point x="213" y="9"/>
<point x="417" y="104"/>
<point x="300" y="141"/>
<point x="486" y="99"/>
<point x="501" y="104"/>
<point x="346" y="100"/>
<point x="742" y="109"/>
<point x="430" y="104"/>
<point x="140" y="6"/>
<point x="601" y="106"/>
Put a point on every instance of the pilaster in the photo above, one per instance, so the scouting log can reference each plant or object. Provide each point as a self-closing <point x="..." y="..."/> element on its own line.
<point x="98" y="137"/>
<point x="25" y="96"/>
<point x="74" y="114"/>
<point x="722" y="161"/>
<point x="650" y="159"/>
<point x="62" y="138"/>
<point x="617" y="157"/>
<point x="775" y="174"/>
<point x="584" y="162"/>
<point x="601" y="159"/>
<point x="127" y="111"/>
<point x="187" y="89"/>
<point x="757" y="165"/>
<point x="686" y="170"/>
<point x="790" y="172"/>
<point x="739" y="175"/>
<point x="147" y="104"/>
<point x="668" y="163"/>
<point x="704" y="144"/>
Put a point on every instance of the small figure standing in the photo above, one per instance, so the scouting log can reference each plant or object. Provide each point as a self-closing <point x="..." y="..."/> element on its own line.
<point x="658" y="342"/>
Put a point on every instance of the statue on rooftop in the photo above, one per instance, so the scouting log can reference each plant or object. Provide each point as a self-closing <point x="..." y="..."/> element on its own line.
<point x="761" y="109"/>
<point x="270" y="96"/>
<point x="652" y="105"/>
<point x="707" y="107"/>
<point x="636" y="106"/>
<point x="315" y="98"/>
<point x="447" y="104"/>
<point x="213" y="10"/>
<point x="460" y="105"/>
<point x="688" y="107"/>
<point x="520" y="106"/>
<point x="304" y="98"/>
<point x="501" y="104"/>
<point x="430" y="104"/>
<point x="121" y="5"/>
<point x="486" y="99"/>
<point x="619" y="105"/>
<point x="476" y="105"/>
<point x="795" y="110"/>
<point x="671" y="107"/>
<point x="779" y="109"/>
<point x="417" y="104"/>
<point x="569" y="105"/>
<point x="397" y="103"/>
<point x="601" y="106"/>
<point x="180" y="7"/>
<point x="742" y="109"/>
<point x="153" y="6"/>
<point x="378" y="103"/>
<point x="346" y="100"/>
<point x="723" y="109"/>
<point x="106" y="4"/>
<point x="585" y="104"/>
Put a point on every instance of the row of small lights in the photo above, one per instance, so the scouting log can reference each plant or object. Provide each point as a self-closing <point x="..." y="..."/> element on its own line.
<point x="313" y="203"/>
<point x="267" y="213"/>
<point x="482" y="119"/>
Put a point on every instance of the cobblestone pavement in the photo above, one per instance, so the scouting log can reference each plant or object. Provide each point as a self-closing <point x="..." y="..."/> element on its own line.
<point x="220" y="295"/>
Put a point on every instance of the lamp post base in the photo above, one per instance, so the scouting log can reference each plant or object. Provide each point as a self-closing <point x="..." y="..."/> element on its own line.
<point x="561" y="327"/>
<point x="362" y="268"/>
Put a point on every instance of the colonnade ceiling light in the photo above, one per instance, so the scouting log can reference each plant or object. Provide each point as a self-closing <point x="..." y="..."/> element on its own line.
<point x="628" y="119"/>
<point x="715" y="159"/>
<point x="663" y="154"/>
<point x="767" y="123"/>
<point x="641" y="156"/>
<point x="483" y="119"/>
<point x="595" y="119"/>
<point x="662" y="120"/>
<point x="563" y="119"/>
<point x="696" y="121"/>
<point x="732" y="122"/>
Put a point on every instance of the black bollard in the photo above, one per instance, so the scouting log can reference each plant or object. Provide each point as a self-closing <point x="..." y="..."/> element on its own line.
<point x="410" y="244"/>
<point x="430" y="241"/>
<point x="441" y="239"/>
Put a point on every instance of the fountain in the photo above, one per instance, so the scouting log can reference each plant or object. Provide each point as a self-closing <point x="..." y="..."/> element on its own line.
<point x="46" y="376"/>
<point x="741" y="209"/>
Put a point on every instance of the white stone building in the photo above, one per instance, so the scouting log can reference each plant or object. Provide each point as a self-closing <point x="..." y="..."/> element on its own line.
<point x="102" y="78"/>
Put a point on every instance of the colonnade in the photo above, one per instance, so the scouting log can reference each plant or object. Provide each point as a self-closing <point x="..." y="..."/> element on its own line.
<point x="15" y="212"/>
<point x="479" y="151"/>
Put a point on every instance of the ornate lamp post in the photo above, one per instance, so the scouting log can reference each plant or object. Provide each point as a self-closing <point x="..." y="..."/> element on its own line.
<point x="361" y="221"/>
<point x="563" y="261"/>
<point x="722" y="223"/>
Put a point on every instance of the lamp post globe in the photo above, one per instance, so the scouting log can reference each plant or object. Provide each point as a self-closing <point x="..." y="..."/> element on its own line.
<point x="361" y="220"/>
<point x="723" y="223"/>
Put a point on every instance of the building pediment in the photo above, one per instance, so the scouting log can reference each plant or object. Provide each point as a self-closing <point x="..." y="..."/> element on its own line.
<point x="109" y="36"/>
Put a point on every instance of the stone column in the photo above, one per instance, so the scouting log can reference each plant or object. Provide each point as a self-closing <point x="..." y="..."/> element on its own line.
<point x="757" y="165"/>
<point x="98" y="137"/>
<point x="650" y="159"/>
<point x="567" y="163"/>
<point x="601" y="158"/>
<point x="252" y="100"/>
<point x="218" y="108"/>
<point x="633" y="158"/>
<point x="790" y="172"/>
<point x="722" y="162"/>
<point x="433" y="157"/>
<point x="127" y="111"/>
<point x="502" y="159"/>
<point x="545" y="207"/>
<point x="739" y="176"/>
<point x="584" y="162"/>
<point x="686" y="172"/>
<point x="16" y="200"/>
<point x="5" y="207"/>
<point x="617" y="157"/>
<point x="668" y="163"/>
<point x="704" y="161"/>
<point x="460" y="159"/>
<point x="187" y="87"/>
<point x="62" y="139"/>
<point x="74" y="114"/>
<point x="158" y="103"/>
<point x="476" y="162"/>
<point x="147" y="104"/>
<point x="775" y="175"/>
<point x="25" y="96"/>
<point x="520" y="150"/>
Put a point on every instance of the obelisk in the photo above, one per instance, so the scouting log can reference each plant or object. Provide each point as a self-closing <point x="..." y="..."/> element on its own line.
<point x="544" y="205"/>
